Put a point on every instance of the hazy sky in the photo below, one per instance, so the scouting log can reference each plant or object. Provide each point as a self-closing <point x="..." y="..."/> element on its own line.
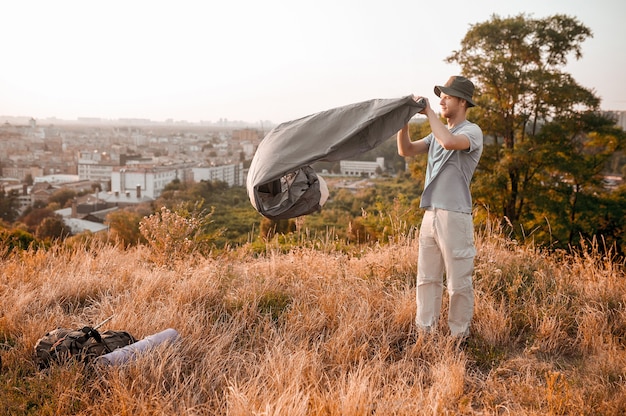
<point x="260" y="59"/>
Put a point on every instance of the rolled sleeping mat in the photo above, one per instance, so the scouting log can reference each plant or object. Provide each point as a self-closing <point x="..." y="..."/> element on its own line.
<point x="129" y="352"/>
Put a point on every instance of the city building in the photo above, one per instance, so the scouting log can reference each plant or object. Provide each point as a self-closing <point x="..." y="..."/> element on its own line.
<point x="96" y="172"/>
<point x="22" y="172"/>
<point x="77" y="224"/>
<point x="149" y="181"/>
<point x="231" y="174"/>
<point x="57" y="179"/>
<point x="120" y="199"/>
<point x="21" y="190"/>
<point x="362" y="168"/>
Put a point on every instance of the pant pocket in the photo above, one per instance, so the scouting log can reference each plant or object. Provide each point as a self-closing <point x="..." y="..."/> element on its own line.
<point x="464" y="253"/>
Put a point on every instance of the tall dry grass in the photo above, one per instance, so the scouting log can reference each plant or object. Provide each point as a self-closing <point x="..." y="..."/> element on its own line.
<point x="317" y="331"/>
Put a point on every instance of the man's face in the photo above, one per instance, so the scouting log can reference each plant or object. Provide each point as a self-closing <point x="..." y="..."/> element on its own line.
<point x="450" y="106"/>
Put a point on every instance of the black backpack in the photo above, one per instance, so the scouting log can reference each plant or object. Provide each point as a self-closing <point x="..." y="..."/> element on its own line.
<point x="84" y="345"/>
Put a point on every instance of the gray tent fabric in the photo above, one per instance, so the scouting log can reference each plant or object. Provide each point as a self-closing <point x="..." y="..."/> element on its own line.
<point x="281" y="183"/>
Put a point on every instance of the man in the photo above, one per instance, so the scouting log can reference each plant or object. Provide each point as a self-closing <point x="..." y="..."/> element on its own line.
<point x="446" y="236"/>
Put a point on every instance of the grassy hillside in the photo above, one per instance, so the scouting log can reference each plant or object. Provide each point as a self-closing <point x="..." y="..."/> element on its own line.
<point x="316" y="331"/>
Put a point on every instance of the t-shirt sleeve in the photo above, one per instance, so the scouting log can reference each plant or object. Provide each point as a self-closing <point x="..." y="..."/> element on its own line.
<point x="475" y="136"/>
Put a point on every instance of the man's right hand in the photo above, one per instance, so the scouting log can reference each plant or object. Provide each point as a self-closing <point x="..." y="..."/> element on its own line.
<point x="424" y="100"/>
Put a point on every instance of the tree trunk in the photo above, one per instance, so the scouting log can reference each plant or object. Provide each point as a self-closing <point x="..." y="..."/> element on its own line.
<point x="572" y="215"/>
<point x="510" y="210"/>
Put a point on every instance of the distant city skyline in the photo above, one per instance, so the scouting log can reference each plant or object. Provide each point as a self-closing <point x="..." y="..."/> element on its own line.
<point x="21" y="121"/>
<point x="260" y="61"/>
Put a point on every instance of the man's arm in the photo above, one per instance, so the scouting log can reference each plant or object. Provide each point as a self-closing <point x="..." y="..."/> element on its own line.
<point x="446" y="139"/>
<point x="408" y="148"/>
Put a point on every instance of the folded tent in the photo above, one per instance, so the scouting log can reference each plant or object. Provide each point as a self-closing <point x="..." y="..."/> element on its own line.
<point x="281" y="182"/>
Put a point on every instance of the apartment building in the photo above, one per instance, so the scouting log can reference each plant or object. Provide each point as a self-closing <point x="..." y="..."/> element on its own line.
<point x="362" y="168"/>
<point x="150" y="181"/>
<point x="97" y="172"/>
<point x="231" y="174"/>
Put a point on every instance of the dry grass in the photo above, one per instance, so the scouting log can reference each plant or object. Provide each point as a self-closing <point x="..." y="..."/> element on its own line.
<point x="317" y="332"/>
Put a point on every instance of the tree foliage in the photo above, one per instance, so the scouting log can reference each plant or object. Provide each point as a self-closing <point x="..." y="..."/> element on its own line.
<point x="517" y="64"/>
<point x="12" y="239"/>
<point x="8" y="205"/>
<point x="62" y="196"/>
<point x="33" y="217"/>
<point x="52" y="228"/>
<point x="546" y="144"/>
<point x="124" y="227"/>
<point x="571" y="190"/>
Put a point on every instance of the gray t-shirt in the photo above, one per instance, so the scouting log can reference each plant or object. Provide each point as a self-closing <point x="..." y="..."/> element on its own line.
<point x="449" y="172"/>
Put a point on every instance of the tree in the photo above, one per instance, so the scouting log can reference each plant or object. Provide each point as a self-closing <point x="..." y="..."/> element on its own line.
<point x="15" y="239"/>
<point x="546" y="144"/>
<point x="33" y="217"/>
<point x="124" y="227"/>
<point x="576" y="152"/>
<point x="53" y="228"/>
<point x="62" y="197"/>
<point x="8" y="205"/>
<point x="517" y="65"/>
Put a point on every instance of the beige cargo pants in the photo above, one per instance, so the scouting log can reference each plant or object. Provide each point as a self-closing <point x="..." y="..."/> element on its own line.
<point x="446" y="245"/>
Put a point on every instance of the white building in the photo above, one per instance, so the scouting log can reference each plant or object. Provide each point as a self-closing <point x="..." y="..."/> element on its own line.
<point x="57" y="179"/>
<point x="362" y="168"/>
<point x="23" y="196"/>
<point x="248" y="149"/>
<point x="148" y="181"/>
<point x="95" y="171"/>
<point x="231" y="174"/>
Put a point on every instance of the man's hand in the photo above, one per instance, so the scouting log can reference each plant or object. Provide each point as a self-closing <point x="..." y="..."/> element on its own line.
<point x="424" y="100"/>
